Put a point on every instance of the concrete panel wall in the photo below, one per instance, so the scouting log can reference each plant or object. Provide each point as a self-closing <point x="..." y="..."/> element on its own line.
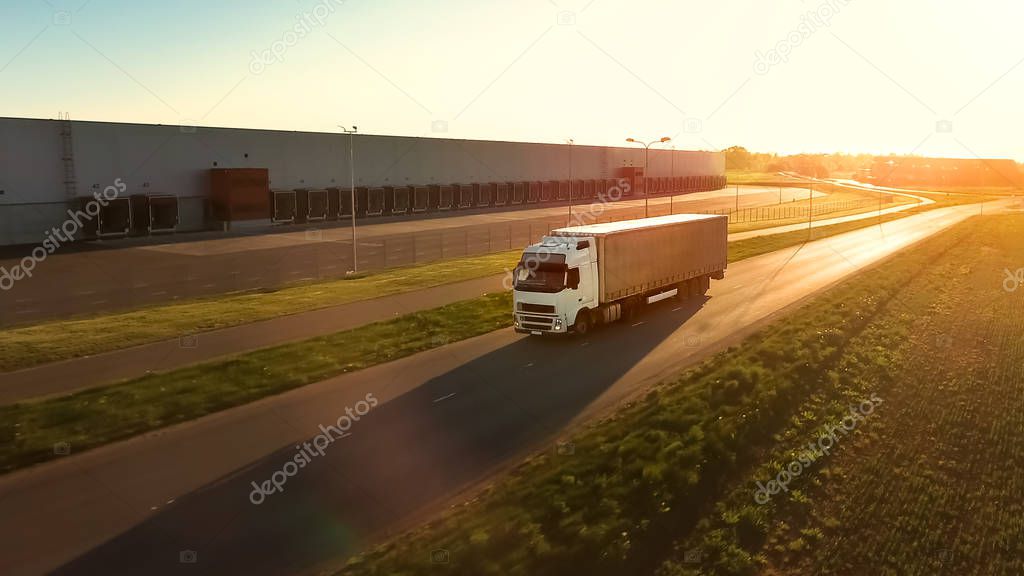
<point x="173" y="160"/>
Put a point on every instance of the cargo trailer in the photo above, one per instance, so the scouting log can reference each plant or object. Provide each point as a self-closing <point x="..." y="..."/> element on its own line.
<point x="583" y="276"/>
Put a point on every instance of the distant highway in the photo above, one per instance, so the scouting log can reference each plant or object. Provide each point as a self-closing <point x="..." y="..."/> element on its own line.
<point x="447" y="419"/>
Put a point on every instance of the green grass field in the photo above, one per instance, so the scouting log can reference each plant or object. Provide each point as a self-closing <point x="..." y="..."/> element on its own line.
<point x="932" y="483"/>
<point x="666" y="485"/>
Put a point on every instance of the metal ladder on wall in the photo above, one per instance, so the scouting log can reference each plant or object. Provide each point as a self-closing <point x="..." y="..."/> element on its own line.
<point x="68" y="155"/>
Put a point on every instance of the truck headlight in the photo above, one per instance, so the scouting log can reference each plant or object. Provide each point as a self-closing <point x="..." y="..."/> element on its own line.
<point x="558" y="324"/>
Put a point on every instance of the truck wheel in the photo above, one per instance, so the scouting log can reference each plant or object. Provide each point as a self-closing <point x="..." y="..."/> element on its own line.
<point x="582" y="325"/>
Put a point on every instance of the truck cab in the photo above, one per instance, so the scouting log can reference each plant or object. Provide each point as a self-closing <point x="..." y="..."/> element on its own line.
<point x="555" y="285"/>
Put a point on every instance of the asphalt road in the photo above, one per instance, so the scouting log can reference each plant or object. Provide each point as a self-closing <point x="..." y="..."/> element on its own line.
<point x="446" y="420"/>
<point x="100" y="277"/>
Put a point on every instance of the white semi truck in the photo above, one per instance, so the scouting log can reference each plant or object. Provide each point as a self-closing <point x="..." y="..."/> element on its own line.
<point x="583" y="276"/>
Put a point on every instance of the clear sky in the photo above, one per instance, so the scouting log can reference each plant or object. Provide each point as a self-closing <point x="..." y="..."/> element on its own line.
<point x="926" y="76"/>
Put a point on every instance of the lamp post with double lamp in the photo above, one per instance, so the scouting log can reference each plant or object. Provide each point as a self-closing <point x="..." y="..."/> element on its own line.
<point x="570" y="142"/>
<point x="647" y="149"/>
<point x="352" y="188"/>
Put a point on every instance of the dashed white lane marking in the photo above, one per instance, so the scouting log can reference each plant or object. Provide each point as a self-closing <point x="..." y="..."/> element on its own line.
<point x="443" y="398"/>
<point x="635" y="325"/>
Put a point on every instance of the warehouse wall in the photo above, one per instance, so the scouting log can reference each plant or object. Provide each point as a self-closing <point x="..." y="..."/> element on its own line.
<point x="173" y="160"/>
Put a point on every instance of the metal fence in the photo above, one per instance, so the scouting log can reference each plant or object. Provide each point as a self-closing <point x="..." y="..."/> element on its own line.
<point x="783" y="212"/>
<point x="429" y="246"/>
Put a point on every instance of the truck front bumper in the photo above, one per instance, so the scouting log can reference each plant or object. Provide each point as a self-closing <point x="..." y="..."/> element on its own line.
<point x="536" y="325"/>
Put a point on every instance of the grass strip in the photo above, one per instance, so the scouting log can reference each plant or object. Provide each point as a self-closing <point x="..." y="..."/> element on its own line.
<point x="23" y="347"/>
<point x="638" y="482"/>
<point x="30" y="430"/>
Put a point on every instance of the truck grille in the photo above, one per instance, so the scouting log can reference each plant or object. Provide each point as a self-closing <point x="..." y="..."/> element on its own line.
<point x="538" y="308"/>
<point x="536" y="319"/>
<point x="541" y="323"/>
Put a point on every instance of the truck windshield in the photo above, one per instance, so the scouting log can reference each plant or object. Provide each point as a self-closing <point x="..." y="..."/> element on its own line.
<point x="540" y="277"/>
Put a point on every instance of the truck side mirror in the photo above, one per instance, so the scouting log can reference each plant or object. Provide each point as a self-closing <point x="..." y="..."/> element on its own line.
<point x="572" y="280"/>
<point x="583" y="244"/>
<point x="518" y="275"/>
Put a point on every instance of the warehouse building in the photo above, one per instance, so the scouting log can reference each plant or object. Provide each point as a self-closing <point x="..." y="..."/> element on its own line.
<point x="150" y="179"/>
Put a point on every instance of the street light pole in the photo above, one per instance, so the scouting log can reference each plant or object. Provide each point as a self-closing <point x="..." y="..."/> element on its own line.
<point x="647" y="181"/>
<point x="810" y="211"/>
<point x="647" y="149"/>
<point x="570" y="142"/>
<point x="352" y="190"/>
<point x="672" y="183"/>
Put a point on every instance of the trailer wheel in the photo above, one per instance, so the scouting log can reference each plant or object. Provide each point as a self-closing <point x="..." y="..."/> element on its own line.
<point x="582" y="325"/>
<point x="703" y="286"/>
<point x="682" y="291"/>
